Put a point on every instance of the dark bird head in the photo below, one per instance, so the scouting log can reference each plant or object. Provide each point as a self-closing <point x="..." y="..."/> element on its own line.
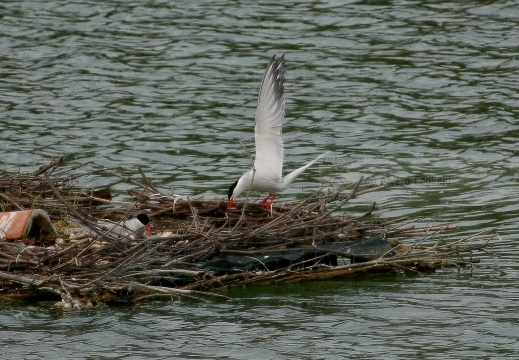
<point x="231" y="190"/>
<point x="144" y="219"/>
<point x="230" y="195"/>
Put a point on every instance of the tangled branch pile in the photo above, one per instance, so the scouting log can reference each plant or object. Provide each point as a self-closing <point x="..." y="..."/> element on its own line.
<point x="199" y="246"/>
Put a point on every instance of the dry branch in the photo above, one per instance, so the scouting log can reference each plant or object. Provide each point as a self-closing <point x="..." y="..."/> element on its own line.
<point x="197" y="238"/>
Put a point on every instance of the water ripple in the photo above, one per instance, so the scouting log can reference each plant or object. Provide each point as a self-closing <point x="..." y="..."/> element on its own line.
<point x="422" y="96"/>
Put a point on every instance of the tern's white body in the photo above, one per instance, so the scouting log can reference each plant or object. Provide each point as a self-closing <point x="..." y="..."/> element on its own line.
<point x="267" y="174"/>
<point x="132" y="229"/>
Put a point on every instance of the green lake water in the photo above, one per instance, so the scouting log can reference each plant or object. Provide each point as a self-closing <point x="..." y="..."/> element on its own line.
<point x="421" y="95"/>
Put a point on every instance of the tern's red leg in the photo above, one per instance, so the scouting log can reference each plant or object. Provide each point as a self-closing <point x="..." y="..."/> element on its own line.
<point x="265" y="202"/>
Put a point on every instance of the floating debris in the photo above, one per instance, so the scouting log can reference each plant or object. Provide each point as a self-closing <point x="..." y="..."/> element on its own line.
<point x="31" y="225"/>
<point x="200" y="248"/>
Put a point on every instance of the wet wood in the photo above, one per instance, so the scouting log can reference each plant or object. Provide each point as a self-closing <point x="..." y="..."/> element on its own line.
<point x="85" y="271"/>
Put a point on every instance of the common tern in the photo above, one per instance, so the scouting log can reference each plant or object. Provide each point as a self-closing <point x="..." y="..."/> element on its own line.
<point x="267" y="172"/>
<point x="133" y="229"/>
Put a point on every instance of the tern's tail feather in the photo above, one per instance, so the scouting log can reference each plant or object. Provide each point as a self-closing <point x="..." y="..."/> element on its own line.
<point x="289" y="179"/>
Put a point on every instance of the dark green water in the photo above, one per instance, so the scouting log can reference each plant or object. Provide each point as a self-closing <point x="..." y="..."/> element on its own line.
<point x="420" y="94"/>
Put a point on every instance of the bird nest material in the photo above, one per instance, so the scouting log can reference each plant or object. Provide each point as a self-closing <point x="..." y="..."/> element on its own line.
<point x="198" y="246"/>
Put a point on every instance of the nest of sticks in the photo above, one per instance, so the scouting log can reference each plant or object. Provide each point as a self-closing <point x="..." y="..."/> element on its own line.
<point x="198" y="246"/>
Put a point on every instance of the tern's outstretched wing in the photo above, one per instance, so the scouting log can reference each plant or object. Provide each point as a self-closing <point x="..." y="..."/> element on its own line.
<point x="269" y="120"/>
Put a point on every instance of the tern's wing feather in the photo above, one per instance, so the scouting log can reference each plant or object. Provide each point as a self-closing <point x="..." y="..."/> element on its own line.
<point x="269" y="120"/>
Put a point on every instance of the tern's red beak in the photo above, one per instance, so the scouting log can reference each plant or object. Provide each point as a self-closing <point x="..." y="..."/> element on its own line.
<point x="230" y="204"/>
<point x="148" y="229"/>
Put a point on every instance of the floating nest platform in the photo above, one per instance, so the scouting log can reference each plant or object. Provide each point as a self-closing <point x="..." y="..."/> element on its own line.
<point x="199" y="248"/>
